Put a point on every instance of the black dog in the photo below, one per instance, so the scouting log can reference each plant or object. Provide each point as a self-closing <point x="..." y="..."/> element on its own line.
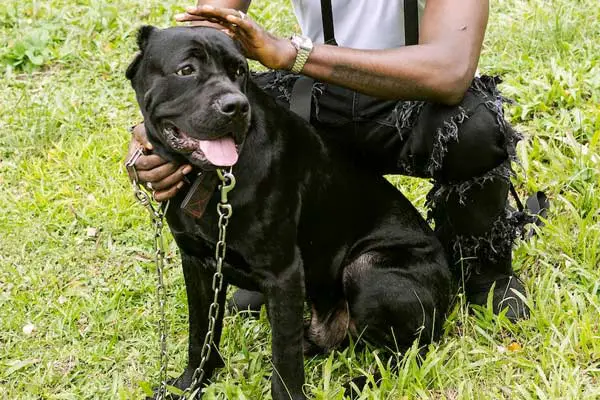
<point x="307" y="224"/>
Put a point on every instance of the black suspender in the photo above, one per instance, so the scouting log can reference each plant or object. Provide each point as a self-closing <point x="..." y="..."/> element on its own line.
<point x="411" y="22"/>
<point x="327" y="18"/>
<point x="301" y="99"/>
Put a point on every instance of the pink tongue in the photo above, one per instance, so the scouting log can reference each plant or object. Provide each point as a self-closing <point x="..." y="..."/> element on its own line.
<point x="220" y="152"/>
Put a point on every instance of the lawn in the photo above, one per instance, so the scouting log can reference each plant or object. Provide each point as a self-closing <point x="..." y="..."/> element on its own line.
<point x="77" y="285"/>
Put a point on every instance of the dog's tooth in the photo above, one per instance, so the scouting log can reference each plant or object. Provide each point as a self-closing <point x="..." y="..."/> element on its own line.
<point x="170" y="132"/>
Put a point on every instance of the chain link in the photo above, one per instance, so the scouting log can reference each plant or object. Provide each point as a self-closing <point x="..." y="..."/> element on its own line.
<point x="224" y="211"/>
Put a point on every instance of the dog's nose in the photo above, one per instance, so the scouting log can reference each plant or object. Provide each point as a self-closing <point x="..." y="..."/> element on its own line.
<point x="233" y="104"/>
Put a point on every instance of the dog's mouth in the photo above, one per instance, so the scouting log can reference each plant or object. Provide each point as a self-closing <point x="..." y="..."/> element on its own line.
<point x="220" y="152"/>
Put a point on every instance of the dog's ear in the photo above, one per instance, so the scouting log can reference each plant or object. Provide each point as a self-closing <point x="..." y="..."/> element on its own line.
<point x="143" y="35"/>
<point x="133" y="67"/>
<point x="142" y="41"/>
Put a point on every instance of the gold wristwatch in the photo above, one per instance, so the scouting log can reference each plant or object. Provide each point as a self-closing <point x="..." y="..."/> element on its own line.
<point x="303" y="46"/>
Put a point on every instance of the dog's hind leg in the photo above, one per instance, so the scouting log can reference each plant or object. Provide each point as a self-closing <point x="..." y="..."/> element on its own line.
<point x="328" y="326"/>
<point x="393" y="305"/>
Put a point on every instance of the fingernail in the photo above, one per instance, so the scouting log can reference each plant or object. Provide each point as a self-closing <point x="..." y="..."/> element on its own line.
<point x="191" y="9"/>
<point x="186" y="170"/>
<point x="149" y="146"/>
<point x="179" y="185"/>
<point x="179" y="16"/>
<point x="207" y="7"/>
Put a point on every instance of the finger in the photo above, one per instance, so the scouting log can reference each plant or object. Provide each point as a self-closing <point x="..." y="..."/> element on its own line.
<point x="149" y="162"/>
<point x="167" y="194"/>
<point x="206" y="23"/>
<point x="184" y="17"/>
<point x="194" y="20"/>
<point x="228" y="32"/>
<point x="203" y="21"/>
<point x="208" y="12"/>
<point x="139" y="134"/>
<point x="171" y="180"/>
<point x="245" y="22"/>
<point x="244" y="26"/>
<point x="198" y="10"/>
<point x="157" y="174"/>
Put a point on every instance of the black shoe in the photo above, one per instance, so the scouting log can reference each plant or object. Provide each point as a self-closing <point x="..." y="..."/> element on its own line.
<point x="246" y="301"/>
<point x="509" y="292"/>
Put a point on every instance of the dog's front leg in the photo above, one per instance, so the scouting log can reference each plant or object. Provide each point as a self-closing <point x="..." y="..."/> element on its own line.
<point x="198" y="282"/>
<point x="285" y="302"/>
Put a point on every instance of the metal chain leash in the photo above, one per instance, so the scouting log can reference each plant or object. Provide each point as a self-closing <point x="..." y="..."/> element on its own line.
<point x="225" y="211"/>
<point x="161" y="293"/>
<point x="157" y="214"/>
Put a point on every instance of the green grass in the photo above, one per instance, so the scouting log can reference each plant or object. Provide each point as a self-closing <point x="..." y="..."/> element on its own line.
<point x="75" y="250"/>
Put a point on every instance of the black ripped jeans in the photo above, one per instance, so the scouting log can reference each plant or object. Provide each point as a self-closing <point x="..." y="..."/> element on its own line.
<point x="465" y="149"/>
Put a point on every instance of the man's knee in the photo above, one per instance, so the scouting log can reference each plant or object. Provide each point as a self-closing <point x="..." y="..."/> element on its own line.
<point x="470" y="139"/>
<point x="479" y="147"/>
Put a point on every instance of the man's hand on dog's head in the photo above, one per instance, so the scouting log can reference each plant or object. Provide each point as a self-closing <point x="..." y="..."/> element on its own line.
<point x="165" y="178"/>
<point x="257" y="44"/>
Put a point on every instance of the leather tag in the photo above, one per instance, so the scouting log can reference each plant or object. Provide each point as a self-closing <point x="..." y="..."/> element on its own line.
<point x="200" y="193"/>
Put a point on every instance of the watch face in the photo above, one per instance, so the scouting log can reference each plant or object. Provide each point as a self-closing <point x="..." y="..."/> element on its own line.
<point x="301" y="42"/>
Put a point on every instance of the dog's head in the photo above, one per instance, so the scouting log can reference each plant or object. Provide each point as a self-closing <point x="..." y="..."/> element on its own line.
<point x="190" y="84"/>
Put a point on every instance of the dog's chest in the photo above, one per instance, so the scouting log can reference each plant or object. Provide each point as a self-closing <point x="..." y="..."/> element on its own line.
<point x="194" y="236"/>
<point x="198" y="238"/>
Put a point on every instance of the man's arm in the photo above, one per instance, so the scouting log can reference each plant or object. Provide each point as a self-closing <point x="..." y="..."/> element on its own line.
<point x="440" y="68"/>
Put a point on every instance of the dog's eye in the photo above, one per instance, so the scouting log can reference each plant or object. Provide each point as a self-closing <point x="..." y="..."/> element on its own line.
<point x="185" y="71"/>
<point x="239" y="72"/>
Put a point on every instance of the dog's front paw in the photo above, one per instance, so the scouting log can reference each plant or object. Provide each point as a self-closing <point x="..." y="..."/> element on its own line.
<point x="179" y="384"/>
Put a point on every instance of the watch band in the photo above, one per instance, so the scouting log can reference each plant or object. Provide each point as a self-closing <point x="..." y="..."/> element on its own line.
<point x="301" y="59"/>
<point x="304" y="47"/>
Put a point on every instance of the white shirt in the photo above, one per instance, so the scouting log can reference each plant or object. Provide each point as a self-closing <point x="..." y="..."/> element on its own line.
<point x="359" y="24"/>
